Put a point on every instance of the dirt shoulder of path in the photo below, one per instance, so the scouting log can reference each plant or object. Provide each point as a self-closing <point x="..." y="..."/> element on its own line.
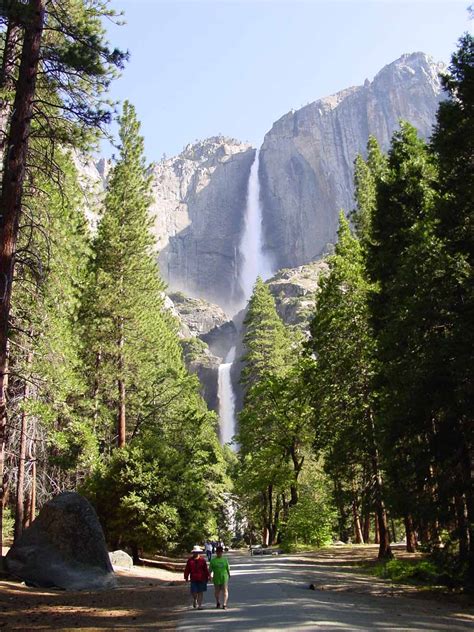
<point x="143" y="600"/>
<point x="347" y="574"/>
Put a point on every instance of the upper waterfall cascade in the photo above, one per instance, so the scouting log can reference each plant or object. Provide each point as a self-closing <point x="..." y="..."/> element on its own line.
<point x="254" y="260"/>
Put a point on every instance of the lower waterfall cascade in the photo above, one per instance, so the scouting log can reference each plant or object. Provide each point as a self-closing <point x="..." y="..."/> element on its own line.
<point x="226" y="399"/>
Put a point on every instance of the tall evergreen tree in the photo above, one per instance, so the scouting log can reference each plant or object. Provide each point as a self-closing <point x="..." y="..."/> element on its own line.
<point x="366" y="175"/>
<point x="343" y="344"/>
<point x="64" y="66"/>
<point x="274" y="427"/>
<point x="453" y="145"/>
<point x="48" y="418"/>
<point x="132" y="339"/>
<point x="403" y="259"/>
<point x="163" y="485"/>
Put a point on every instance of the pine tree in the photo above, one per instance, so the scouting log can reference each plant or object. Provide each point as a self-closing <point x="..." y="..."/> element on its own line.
<point x="64" y="66"/>
<point x="343" y="344"/>
<point x="452" y="144"/>
<point x="266" y="339"/>
<point x="47" y="423"/>
<point x="132" y="339"/>
<point x="366" y="175"/>
<point x="274" y="427"/>
<point x="403" y="259"/>
<point x="164" y="484"/>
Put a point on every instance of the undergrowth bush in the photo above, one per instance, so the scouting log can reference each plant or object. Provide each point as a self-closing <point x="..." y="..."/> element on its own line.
<point x="422" y="571"/>
<point x="427" y="572"/>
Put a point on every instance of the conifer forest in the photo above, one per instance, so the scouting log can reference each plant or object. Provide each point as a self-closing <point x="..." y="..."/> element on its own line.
<point x="359" y="429"/>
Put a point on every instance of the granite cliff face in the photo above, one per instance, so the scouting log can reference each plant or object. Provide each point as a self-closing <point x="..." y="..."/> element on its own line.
<point x="306" y="173"/>
<point x="294" y="291"/>
<point x="199" y="201"/>
<point x="206" y="337"/>
<point x="306" y="161"/>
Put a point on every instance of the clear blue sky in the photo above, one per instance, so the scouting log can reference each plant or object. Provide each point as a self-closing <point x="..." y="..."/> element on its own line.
<point x="200" y="68"/>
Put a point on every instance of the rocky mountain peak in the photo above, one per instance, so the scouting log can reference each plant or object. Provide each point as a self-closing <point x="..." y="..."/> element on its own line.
<point x="405" y="69"/>
<point x="306" y="161"/>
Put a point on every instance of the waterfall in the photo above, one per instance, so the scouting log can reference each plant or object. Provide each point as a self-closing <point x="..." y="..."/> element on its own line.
<point x="226" y="399"/>
<point x="254" y="261"/>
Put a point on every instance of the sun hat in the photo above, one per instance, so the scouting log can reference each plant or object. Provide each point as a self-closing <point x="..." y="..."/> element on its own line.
<point x="196" y="549"/>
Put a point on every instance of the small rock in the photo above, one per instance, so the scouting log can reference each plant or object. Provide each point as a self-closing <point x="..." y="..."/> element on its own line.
<point x="120" y="558"/>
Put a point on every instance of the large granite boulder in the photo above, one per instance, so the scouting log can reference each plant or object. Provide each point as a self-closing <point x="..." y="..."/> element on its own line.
<point x="306" y="160"/>
<point x="63" y="548"/>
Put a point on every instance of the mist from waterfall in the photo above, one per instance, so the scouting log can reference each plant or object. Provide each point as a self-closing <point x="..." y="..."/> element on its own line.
<point x="254" y="261"/>
<point x="226" y="397"/>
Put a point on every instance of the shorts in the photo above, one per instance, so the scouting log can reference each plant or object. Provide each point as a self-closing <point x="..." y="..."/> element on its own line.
<point x="198" y="587"/>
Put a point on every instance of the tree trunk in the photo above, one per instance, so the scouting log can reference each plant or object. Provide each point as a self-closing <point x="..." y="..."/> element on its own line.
<point x="376" y="529"/>
<point x="11" y="198"/>
<point x="270" y="514"/>
<point x="276" y="520"/>
<point x="410" y="534"/>
<point x="385" y="552"/>
<point x="297" y="466"/>
<point x="467" y="469"/>
<point x="7" y="76"/>
<point x="265" y="520"/>
<point x="95" y="392"/>
<point x="20" y="485"/>
<point x="394" y="530"/>
<point x="285" y="507"/>
<point x="136" y="555"/>
<point x="122" y="427"/>
<point x="462" y="526"/>
<point x="359" y="539"/>
<point x="366" y="528"/>
<point x="32" y="504"/>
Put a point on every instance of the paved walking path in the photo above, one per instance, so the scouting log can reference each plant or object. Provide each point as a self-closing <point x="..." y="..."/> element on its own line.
<point x="272" y="593"/>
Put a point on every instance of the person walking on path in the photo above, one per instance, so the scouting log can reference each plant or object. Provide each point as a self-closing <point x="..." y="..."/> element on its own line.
<point x="196" y="570"/>
<point x="208" y="548"/>
<point x="220" y="570"/>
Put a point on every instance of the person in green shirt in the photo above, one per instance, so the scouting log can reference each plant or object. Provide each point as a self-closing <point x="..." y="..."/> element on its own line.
<point x="219" y="567"/>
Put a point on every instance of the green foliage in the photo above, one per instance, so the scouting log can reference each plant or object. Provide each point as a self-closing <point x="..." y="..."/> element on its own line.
<point x="131" y="338"/>
<point x="343" y="347"/>
<point x="167" y="488"/>
<point x="265" y="339"/>
<point x="405" y="571"/>
<point x="366" y="175"/>
<point x="274" y="425"/>
<point x="193" y="348"/>
<point x="311" y="520"/>
<point x="8" y="524"/>
<point x="132" y="497"/>
<point x="48" y="382"/>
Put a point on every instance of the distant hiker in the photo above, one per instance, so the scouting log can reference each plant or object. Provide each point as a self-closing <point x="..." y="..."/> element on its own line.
<point x="196" y="570"/>
<point x="220" y="570"/>
<point x="208" y="548"/>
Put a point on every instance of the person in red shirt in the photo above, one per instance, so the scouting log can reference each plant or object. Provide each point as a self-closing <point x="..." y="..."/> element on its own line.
<point x="196" y="570"/>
